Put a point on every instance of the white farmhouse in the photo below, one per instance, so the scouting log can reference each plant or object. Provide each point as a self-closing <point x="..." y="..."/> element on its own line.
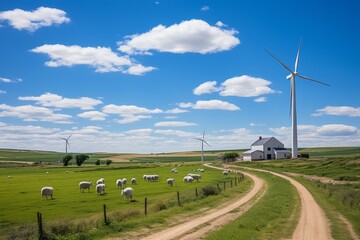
<point x="266" y="148"/>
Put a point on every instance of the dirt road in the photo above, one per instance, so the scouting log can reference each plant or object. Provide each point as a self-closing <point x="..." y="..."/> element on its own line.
<point x="313" y="223"/>
<point x="180" y="230"/>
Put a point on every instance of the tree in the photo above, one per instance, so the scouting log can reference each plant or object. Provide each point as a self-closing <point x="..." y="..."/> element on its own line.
<point x="67" y="159"/>
<point x="108" y="162"/>
<point x="81" y="158"/>
<point x="97" y="162"/>
<point x="230" y="157"/>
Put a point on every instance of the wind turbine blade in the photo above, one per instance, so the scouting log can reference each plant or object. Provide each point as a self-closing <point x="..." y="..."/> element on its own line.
<point x="282" y="64"/>
<point x="63" y="139"/>
<point x="309" y="79"/>
<point x="69" y="136"/>
<point x="206" y="143"/>
<point x="198" y="139"/>
<point x="297" y="57"/>
<point x="204" y="134"/>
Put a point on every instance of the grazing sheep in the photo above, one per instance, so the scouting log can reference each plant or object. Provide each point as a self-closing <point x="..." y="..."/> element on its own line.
<point x="133" y="181"/>
<point x="225" y="172"/>
<point x="145" y="177"/>
<point x="100" y="181"/>
<point x="119" y="183"/>
<point x="200" y="170"/>
<point x="127" y="193"/>
<point x="47" y="191"/>
<point x="85" y="185"/>
<point x="188" y="179"/>
<point x="196" y="177"/>
<point x="100" y="188"/>
<point x="152" y="177"/>
<point x="170" y="181"/>
<point x="124" y="181"/>
<point x="9" y="176"/>
<point x="67" y="171"/>
<point x="174" y="170"/>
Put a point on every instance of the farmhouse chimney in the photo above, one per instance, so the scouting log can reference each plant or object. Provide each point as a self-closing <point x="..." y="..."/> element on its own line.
<point x="260" y="137"/>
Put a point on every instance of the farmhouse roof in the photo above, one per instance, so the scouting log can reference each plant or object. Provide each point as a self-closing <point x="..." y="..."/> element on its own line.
<point x="261" y="141"/>
<point x="249" y="152"/>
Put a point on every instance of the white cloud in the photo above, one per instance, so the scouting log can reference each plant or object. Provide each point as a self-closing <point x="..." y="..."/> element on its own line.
<point x="337" y="130"/>
<point x="33" y="20"/>
<point x="2" y="92"/>
<point x="177" y="133"/>
<point x="260" y="99"/>
<point x="54" y="100"/>
<point x="174" y="124"/>
<point x="31" y="113"/>
<point x="93" y="115"/>
<point x="205" y="8"/>
<point x="338" y="111"/>
<point x="138" y="69"/>
<point x="193" y="36"/>
<point x="4" y="128"/>
<point x="129" y="110"/>
<point x="245" y="86"/>
<point x="220" y="24"/>
<point x="176" y="111"/>
<point x="101" y="58"/>
<point x="132" y="118"/>
<point x="211" y="105"/>
<point x="5" y="80"/>
<point x="144" y="131"/>
<point x="320" y="136"/>
<point x="206" y="87"/>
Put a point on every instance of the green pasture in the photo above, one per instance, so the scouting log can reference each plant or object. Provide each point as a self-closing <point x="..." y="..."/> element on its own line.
<point x="20" y="194"/>
<point x="338" y="168"/>
<point x="171" y="159"/>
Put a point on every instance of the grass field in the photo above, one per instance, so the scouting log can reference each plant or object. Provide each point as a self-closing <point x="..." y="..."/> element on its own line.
<point x="20" y="195"/>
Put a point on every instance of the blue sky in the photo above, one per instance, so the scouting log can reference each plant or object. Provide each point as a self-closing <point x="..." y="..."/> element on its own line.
<point x="150" y="76"/>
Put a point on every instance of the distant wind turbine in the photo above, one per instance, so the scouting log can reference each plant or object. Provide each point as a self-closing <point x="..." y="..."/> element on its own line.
<point x="291" y="77"/>
<point x="202" y="145"/>
<point x="66" y="143"/>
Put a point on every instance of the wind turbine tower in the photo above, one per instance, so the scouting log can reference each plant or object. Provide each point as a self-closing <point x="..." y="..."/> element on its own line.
<point x="202" y="145"/>
<point x="66" y="143"/>
<point x="292" y="76"/>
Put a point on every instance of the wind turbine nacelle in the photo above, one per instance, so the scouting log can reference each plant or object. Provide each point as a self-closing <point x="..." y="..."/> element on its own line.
<point x="288" y="77"/>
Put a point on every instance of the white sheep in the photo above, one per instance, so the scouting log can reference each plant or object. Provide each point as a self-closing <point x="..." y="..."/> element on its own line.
<point x="196" y="177"/>
<point x="9" y="176"/>
<point x="174" y="170"/>
<point x="188" y="179"/>
<point x="119" y="183"/>
<point x="85" y="185"/>
<point x="47" y="191"/>
<point x="170" y="181"/>
<point x="145" y="177"/>
<point x="124" y="181"/>
<point x="127" y="193"/>
<point x="225" y="172"/>
<point x="100" y="188"/>
<point x="133" y="181"/>
<point x="100" y="181"/>
<point x="200" y="170"/>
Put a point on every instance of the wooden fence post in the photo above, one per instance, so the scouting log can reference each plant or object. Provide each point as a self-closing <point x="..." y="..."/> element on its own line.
<point x="218" y="187"/>
<point x="105" y="219"/>
<point x="235" y="182"/>
<point x="178" y="197"/>
<point x="224" y="186"/>
<point x="231" y="183"/>
<point x="145" y="206"/>
<point x="40" y="226"/>
<point x="196" y="192"/>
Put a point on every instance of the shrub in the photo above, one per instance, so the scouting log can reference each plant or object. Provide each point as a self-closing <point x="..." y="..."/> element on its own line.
<point x="67" y="159"/>
<point x="97" y="162"/>
<point x="210" y="190"/>
<point x="108" y="162"/>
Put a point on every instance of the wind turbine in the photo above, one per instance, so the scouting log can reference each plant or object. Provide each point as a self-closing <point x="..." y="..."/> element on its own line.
<point x="291" y="77"/>
<point x="202" y="145"/>
<point x="66" y="143"/>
